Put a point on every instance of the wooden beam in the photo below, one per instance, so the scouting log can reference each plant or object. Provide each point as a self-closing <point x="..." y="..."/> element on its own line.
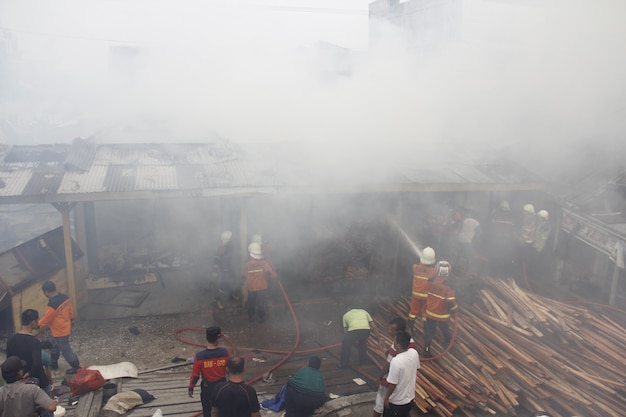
<point x="65" y="209"/>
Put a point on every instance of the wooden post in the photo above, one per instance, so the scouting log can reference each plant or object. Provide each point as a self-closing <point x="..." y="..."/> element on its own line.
<point x="64" y="209"/>
<point x="614" y="283"/>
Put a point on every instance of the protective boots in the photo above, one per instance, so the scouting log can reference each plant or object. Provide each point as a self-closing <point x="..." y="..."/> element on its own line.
<point x="74" y="369"/>
<point x="427" y="353"/>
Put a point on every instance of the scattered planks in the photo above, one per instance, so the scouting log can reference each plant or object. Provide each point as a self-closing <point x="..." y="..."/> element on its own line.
<point x="518" y="352"/>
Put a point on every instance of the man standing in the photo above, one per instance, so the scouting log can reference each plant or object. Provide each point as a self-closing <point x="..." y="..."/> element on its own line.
<point x="502" y="240"/>
<point x="423" y="272"/>
<point x="448" y="230"/>
<point x="306" y="390"/>
<point x="210" y="364"/>
<point x="19" y="399"/>
<point x="469" y="233"/>
<point x="59" y="317"/>
<point x="235" y="398"/>
<point x="255" y="272"/>
<point x="396" y="326"/>
<point x="223" y="267"/>
<point x="401" y="378"/>
<point x="441" y="301"/>
<point x="28" y="348"/>
<point x="356" y="328"/>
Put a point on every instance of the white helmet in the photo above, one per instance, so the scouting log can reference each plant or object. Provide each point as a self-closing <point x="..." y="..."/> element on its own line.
<point x="443" y="269"/>
<point x="529" y="208"/>
<point x="255" y="250"/>
<point x="428" y="256"/>
<point x="504" y="205"/>
<point x="543" y="214"/>
<point x="226" y="236"/>
<point x="257" y="239"/>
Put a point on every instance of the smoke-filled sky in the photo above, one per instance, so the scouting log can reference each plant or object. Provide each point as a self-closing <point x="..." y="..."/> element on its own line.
<point x="545" y="77"/>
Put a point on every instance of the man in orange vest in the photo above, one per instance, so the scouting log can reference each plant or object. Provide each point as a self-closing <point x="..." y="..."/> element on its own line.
<point x="59" y="317"/>
<point x="441" y="301"/>
<point x="423" y="272"/>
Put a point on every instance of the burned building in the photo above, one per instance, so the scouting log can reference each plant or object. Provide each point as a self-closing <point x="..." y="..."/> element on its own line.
<point x="138" y="210"/>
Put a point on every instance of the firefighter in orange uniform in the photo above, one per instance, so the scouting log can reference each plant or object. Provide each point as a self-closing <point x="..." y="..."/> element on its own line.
<point x="423" y="273"/>
<point x="441" y="302"/>
<point x="255" y="272"/>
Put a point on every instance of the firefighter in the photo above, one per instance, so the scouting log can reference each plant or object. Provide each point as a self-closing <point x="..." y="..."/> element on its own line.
<point x="542" y="230"/>
<point x="444" y="271"/>
<point x="440" y="303"/>
<point x="527" y="233"/>
<point x="256" y="272"/>
<point x="529" y="223"/>
<point x="265" y="247"/>
<point x="423" y="273"/>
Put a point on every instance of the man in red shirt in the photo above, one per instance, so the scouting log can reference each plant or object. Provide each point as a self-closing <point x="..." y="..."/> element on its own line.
<point x="210" y="364"/>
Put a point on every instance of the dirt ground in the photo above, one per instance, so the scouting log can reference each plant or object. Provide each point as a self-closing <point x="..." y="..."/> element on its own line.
<point x="148" y="342"/>
<point x="151" y="342"/>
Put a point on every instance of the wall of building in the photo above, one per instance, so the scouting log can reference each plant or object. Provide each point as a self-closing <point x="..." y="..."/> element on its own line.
<point x="33" y="297"/>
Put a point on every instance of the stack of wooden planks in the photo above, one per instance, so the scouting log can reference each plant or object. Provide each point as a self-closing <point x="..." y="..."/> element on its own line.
<point x="518" y="352"/>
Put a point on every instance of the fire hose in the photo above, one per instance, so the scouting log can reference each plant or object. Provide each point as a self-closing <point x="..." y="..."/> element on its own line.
<point x="292" y="351"/>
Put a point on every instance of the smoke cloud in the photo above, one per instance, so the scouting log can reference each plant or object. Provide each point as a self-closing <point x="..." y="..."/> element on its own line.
<point x="544" y="79"/>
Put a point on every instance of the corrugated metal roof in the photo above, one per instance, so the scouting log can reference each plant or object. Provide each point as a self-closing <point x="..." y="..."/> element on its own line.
<point x="81" y="155"/>
<point x="597" y="195"/>
<point x="48" y="173"/>
<point x="76" y="182"/>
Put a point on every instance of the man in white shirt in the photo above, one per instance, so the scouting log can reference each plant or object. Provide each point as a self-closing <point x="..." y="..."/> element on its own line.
<point x="470" y="230"/>
<point x="401" y="378"/>
<point x="396" y="325"/>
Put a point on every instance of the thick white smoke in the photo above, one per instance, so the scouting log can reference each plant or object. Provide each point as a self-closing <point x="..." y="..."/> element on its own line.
<point x="544" y="78"/>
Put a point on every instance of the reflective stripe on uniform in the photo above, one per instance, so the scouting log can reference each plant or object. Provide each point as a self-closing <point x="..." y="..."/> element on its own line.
<point x="442" y="297"/>
<point x="439" y="316"/>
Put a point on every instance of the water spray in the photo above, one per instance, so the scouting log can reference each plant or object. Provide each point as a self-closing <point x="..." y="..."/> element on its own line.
<point x="413" y="245"/>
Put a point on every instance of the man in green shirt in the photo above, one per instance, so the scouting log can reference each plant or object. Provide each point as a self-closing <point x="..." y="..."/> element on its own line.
<point x="306" y="390"/>
<point x="356" y="328"/>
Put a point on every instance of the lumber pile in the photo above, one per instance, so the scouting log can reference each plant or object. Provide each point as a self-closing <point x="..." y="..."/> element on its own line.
<point x="518" y="352"/>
